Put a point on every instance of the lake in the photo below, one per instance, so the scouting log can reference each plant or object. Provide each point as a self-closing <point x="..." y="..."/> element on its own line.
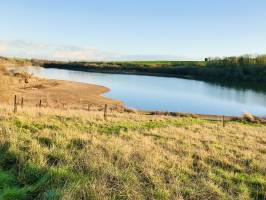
<point x="168" y="94"/>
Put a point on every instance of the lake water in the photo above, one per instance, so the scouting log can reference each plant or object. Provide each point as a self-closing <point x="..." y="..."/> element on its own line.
<point x="168" y="94"/>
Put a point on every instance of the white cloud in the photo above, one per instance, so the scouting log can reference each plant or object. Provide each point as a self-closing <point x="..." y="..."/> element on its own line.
<point x="19" y="48"/>
<point x="81" y="53"/>
<point x="25" y="49"/>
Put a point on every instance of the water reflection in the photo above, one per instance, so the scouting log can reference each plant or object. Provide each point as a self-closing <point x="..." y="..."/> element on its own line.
<point x="171" y="94"/>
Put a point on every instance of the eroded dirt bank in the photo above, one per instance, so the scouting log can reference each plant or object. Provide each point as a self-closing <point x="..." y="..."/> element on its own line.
<point x="52" y="93"/>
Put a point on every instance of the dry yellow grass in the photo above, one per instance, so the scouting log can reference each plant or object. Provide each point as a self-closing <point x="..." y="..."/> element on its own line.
<point x="55" y="154"/>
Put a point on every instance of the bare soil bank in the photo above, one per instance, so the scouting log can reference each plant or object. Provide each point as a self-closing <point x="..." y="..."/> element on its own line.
<point x="53" y="93"/>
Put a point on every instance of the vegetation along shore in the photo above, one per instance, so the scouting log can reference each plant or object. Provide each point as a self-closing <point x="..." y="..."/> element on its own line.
<point x="243" y="68"/>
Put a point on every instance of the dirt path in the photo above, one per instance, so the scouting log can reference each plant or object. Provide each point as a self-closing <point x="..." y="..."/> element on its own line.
<point x="53" y="93"/>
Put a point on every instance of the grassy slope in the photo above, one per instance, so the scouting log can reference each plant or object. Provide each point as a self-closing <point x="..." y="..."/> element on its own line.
<point x="77" y="155"/>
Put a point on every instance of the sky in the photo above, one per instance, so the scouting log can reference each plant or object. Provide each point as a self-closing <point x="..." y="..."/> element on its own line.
<point x="131" y="29"/>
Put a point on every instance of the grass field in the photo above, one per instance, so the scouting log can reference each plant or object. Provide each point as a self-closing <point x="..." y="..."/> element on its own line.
<point x="167" y="63"/>
<point x="54" y="154"/>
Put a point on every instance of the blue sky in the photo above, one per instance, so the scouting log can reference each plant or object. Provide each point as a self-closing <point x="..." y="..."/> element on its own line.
<point x="132" y="30"/>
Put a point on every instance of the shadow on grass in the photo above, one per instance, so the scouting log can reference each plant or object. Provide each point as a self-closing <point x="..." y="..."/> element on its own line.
<point x="23" y="180"/>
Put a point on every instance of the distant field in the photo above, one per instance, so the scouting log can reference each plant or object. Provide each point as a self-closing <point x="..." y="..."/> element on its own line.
<point x="168" y="63"/>
<point x="54" y="154"/>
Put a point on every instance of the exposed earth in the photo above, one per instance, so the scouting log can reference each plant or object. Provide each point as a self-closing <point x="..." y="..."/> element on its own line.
<point x="52" y="93"/>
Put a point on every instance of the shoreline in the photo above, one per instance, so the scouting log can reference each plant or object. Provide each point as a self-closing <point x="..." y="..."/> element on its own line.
<point x="125" y="72"/>
<point x="52" y="93"/>
<point x="101" y="100"/>
<point x="223" y="118"/>
<point x="208" y="116"/>
<point x="182" y="70"/>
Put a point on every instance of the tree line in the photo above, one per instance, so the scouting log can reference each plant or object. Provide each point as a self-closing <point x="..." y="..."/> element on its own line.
<point x="245" y="60"/>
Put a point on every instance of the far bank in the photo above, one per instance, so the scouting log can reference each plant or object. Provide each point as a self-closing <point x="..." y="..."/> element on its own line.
<point x="245" y="69"/>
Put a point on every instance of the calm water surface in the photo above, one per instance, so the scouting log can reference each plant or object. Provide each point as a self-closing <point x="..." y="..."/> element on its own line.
<point x="168" y="94"/>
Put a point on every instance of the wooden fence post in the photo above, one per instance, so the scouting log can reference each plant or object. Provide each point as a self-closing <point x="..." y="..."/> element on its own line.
<point x="223" y="121"/>
<point x="40" y="103"/>
<point x="15" y="104"/>
<point x="105" y="112"/>
<point x="22" y="102"/>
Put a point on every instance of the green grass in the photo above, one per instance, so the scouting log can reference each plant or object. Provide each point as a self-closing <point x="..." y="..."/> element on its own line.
<point x="167" y="63"/>
<point x="77" y="155"/>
